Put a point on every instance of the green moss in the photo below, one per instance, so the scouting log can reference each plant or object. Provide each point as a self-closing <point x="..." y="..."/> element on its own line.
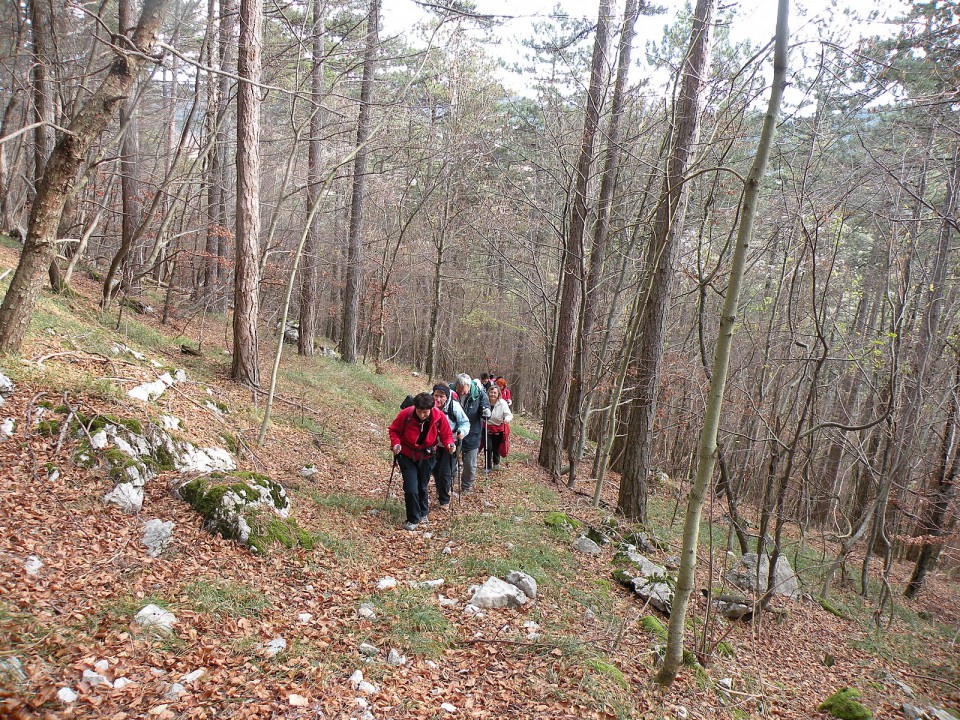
<point x="49" y="428"/>
<point x="831" y="608"/>
<point x="623" y="577"/>
<point x="653" y="626"/>
<point x="843" y="704"/>
<point x="607" y="669"/>
<point x="726" y="649"/>
<point x="561" y="521"/>
<point x="277" y="531"/>
<point x="98" y="421"/>
<point x="163" y="459"/>
<point x="231" y="442"/>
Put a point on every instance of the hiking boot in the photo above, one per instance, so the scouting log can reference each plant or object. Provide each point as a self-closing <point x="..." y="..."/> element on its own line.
<point x="444" y="506"/>
<point x="424" y="521"/>
<point x="410" y="526"/>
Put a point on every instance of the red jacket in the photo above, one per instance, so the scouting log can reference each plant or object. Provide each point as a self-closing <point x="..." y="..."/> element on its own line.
<point x="406" y="428"/>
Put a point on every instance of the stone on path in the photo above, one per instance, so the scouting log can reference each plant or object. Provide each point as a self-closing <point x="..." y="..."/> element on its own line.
<point x="523" y="581"/>
<point x="153" y="616"/>
<point x="495" y="593"/>
<point x="586" y="545"/>
<point x="274" y="647"/>
<point x="157" y="535"/>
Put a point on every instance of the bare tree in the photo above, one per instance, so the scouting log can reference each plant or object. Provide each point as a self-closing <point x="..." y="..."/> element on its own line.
<point x="354" y="269"/>
<point x="60" y="174"/>
<point x="246" y="289"/>
<point x="707" y="450"/>
<point x="558" y="388"/>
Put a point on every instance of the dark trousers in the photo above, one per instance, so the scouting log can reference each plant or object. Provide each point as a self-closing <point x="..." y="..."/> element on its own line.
<point x="493" y="449"/>
<point x="444" y="471"/>
<point x="416" y="482"/>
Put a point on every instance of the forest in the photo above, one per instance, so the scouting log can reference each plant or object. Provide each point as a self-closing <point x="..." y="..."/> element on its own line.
<point x="724" y="256"/>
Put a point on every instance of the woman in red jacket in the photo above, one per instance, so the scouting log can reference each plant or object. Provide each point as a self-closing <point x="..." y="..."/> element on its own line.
<point x="415" y="434"/>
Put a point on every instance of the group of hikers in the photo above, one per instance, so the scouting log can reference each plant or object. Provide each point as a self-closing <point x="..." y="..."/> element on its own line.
<point x="441" y="433"/>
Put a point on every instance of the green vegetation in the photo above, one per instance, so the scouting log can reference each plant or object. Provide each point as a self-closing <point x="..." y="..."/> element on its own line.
<point x="277" y="531"/>
<point x="843" y="704"/>
<point x="217" y="596"/>
<point x="415" y="623"/>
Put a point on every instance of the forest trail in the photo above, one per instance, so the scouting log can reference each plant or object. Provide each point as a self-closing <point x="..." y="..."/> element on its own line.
<point x="74" y="571"/>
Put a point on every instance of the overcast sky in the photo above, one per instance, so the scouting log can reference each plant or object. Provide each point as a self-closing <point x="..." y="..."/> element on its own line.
<point x="754" y="19"/>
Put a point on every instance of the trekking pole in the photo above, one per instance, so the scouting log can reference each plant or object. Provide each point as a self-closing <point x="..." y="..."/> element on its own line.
<point x="460" y="474"/>
<point x="390" y="481"/>
<point x="487" y="455"/>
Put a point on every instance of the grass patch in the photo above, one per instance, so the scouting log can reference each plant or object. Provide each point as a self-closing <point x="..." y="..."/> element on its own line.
<point x="416" y="624"/>
<point x="341" y="548"/>
<point x="220" y="597"/>
<point x="280" y="531"/>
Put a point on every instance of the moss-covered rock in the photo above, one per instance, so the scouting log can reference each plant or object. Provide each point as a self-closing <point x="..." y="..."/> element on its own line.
<point x="561" y="521"/>
<point x="843" y="704"/>
<point x="231" y="504"/>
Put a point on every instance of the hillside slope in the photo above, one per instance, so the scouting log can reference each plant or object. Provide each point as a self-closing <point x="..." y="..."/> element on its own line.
<point x="74" y="570"/>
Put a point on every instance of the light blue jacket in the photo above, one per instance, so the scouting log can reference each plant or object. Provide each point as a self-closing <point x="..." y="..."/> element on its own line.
<point x="462" y="424"/>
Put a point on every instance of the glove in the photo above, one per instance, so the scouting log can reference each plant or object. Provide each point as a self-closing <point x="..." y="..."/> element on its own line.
<point x="485" y="413"/>
<point x="396" y="448"/>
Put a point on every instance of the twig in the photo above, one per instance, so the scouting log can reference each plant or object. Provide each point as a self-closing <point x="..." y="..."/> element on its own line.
<point x="934" y="679"/>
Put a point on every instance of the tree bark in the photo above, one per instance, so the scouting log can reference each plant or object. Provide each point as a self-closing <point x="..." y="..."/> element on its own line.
<point x="581" y="395"/>
<point x="246" y="289"/>
<point x="707" y="451"/>
<point x="309" y="295"/>
<point x="659" y="263"/>
<point x="354" y="267"/>
<point x="558" y="387"/>
<point x="59" y="177"/>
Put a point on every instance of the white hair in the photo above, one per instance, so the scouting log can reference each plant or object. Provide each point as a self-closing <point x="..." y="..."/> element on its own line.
<point x="463" y="380"/>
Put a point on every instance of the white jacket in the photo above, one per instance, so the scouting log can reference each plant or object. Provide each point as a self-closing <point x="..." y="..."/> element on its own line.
<point x="500" y="414"/>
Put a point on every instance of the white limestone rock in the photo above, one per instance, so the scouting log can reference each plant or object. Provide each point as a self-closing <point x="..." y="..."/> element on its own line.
<point x="275" y="647"/>
<point x="175" y="691"/>
<point x="495" y="593"/>
<point x="93" y="679"/>
<point x="153" y="616"/>
<point x="150" y="391"/>
<point x="6" y="386"/>
<point x="12" y="668"/>
<point x="395" y="658"/>
<point x="192" y="677"/>
<point x="368" y="650"/>
<point x="744" y="575"/>
<point x="586" y="545"/>
<point x="7" y="427"/>
<point x="66" y="695"/>
<point x="367" y="612"/>
<point x="157" y="535"/>
<point x="32" y="565"/>
<point x="170" y="422"/>
<point x="523" y="581"/>
<point x="386" y="583"/>
<point x="99" y="440"/>
<point x="127" y="496"/>
<point x="121" y="682"/>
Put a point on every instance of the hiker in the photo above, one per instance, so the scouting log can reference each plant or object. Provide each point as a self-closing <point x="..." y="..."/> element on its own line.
<point x="476" y="407"/>
<point x="497" y="439"/>
<point x="504" y="390"/>
<point x="486" y="380"/>
<point x="445" y="466"/>
<point x="415" y="434"/>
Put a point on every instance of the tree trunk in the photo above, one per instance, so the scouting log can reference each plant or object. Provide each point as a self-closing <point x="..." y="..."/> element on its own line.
<point x="129" y="171"/>
<point x="246" y="289"/>
<point x="59" y="177"/>
<point x="580" y="394"/>
<point x="354" y="268"/>
<point x="658" y="272"/>
<point x="309" y="296"/>
<point x="707" y="451"/>
<point x="558" y="387"/>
